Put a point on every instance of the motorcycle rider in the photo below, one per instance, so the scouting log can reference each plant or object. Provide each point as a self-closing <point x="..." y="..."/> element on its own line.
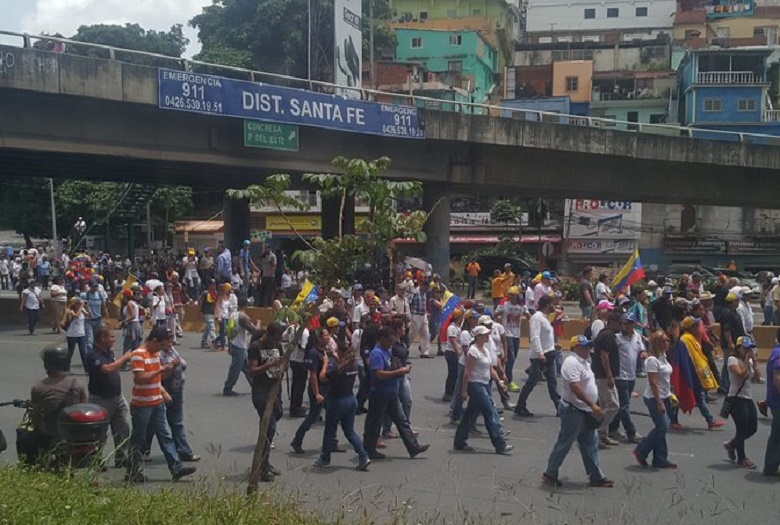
<point x="48" y="398"/>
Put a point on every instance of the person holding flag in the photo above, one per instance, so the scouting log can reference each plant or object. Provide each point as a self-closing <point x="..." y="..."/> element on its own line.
<point x="630" y="274"/>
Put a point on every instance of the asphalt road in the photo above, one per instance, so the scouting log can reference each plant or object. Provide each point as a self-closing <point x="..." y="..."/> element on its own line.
<point x="442" y="485"/>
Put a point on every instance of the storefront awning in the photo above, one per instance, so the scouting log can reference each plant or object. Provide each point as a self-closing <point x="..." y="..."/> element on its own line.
<point x="491" y="239"/>
<point x="200" y="227"/>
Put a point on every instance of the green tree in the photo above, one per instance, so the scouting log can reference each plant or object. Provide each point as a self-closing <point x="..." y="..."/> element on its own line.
<point x="171" y="43"/>
<point x="272" y="35"/>
<point x="505" y="211"/>
<point x="25" y="207"/>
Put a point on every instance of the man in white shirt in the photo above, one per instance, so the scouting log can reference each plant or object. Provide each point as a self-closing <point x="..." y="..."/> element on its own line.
<point x="399" y="305"/>
<point x="32" y="304"/>
<point x="630" y="347"/>
<point x="542" y="356"/>
<point x="578" y="405"/>
<point x="512" y="312"/>
<point x="603" y="310"/>
<point x="745" y="311"/>
<point x="359" y="306"/>
<point x="542" y="288"/>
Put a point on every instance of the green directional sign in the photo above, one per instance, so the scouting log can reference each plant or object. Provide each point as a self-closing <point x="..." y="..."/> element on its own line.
<point x="270" y="135"/>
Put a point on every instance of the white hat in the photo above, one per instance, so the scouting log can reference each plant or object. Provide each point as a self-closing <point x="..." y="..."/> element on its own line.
<point x="652" y="284"/>
<point x="775" y="280"/>
<point x="480" y="330"/>
<point x="485" y="320"/>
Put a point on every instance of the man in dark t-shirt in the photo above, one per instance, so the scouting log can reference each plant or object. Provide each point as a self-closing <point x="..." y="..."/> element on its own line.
<point x="731" y="328"/>
<point x="606" y="367"/>
<point x="662" y="309"/>
<point x="105" y="389"/>
<point x="587" y="303"/>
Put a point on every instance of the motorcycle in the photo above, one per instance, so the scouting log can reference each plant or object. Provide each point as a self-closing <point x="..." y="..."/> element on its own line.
<point x="81" y="428"/>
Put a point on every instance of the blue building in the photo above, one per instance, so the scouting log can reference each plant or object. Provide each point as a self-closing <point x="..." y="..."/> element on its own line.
<point x="727" y="90"/>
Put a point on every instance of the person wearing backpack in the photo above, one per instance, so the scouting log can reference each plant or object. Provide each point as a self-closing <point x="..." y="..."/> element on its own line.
<point x="240" y="332"/>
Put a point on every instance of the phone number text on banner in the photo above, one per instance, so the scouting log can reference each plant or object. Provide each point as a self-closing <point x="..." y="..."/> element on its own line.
<point x="212" y="95"/>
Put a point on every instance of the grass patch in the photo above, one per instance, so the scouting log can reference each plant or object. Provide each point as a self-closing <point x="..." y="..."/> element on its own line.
<point x="41" y="498"/>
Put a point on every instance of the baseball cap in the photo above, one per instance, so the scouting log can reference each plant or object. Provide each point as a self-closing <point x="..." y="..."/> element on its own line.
<point x="629" y="318"/>
<point x="690" y="321"/>
<point x="247" y="242"/>
<point x="127" y="292"/>
<point x="605" y="305"/>
<point x="357" y="288"/>
<point x="696" y="274"/>
<point x="546" y="275"/>
<point x="332" y="322"/>
<point x="731" y="297"/>
<point x="746" y="342"/>
<point x="485" y="320"/>
<point x="480" y="330"/>
<point x="514" y="290"/>
<point x="457" y="313"/>
<point x="488" y="312"/>
<point x="775" y="280"/>
<point x="652" y="284"/>
<point x="623" y="300"/>
<point x="668" y="290"/>
<point x="580" y="340"/>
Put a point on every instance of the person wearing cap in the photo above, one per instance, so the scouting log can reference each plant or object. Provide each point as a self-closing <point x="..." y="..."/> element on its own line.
<point x="706" y="379"/>
<point x="606" y="369"/>
<point x="246" y="265"/>
<point x="745" y="310"/>
<point x="657" y="395"/>
<point x="399" y="306"/>
<point x="189" y="267"/>
<point x="630" y="349"/>
<point x="731" y="328"/>
<point x="742" y="367"/>
<point x="662" y="310"/>
<point x="507" y="279"/>
<point x="207" y="266"/>
<point x="579" y="403"/>
<point x="768" y="306"/>
<point x="472" y="275"/>
<point x="130" y="323"/>
<point x="147" y="407"/>
<point x="208" y="307"/>
<point x="419" y="320"/>
<point x="498" y="347"/>
<point x="543" y="346"/>
<point x="587" y="301"/>
<point x="59" y="300"/>
<point x="542" y="288"/>
<point x="603" y="309"/>
<point x="511" y="313"/>
<point x="359" y="305"/>
<point x="452" y="353"/>
<point x="652" y="290"/>
<point x="496" y="287"/>
<point x="706" y="337"/>
<point x="478" y="372"/>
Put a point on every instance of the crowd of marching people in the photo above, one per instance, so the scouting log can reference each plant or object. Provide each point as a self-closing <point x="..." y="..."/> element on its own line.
<point x="352" y="355"/>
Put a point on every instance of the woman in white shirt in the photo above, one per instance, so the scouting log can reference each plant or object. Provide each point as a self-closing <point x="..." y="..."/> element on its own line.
<point x="658" y="392"/>
<point x="227" y="304"/>
<point x="742" y="368"/>
<point x="75" y="332"/>
<point x="476" y="381"/>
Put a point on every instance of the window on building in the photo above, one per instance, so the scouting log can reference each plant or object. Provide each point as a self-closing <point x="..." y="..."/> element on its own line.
<point x="713" y="105"/>
<point x="613" y="12"/>
<point x="641" y="11"/>
<point x="456" y="40"/>
<point x="417" y="42"/>
<point x="654" y="51"/>
<point x="423" y="15"/>
<point x="659" y="118"/>
<point x="452" y="13"/>
<point x="590" y="13"/>
<point x="769" y="32"/>
<point x="690" y="34"/>
<point x="572" y="83"/>
<point x="746" y="104"/>
<point x="455" y="66"/>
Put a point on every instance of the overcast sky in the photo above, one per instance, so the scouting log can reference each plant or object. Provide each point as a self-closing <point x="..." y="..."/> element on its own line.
<point x="65" y="16"/>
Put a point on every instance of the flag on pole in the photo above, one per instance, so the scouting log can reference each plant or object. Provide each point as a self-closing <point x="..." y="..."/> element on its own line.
<point x="308" y="294"/>
<point x="129" y="282"/>
<point x="630" y="274"/>
<point x="449" y="302"/>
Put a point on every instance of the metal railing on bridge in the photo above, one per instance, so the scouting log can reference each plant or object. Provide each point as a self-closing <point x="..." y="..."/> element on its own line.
<point x="197" y="66"/>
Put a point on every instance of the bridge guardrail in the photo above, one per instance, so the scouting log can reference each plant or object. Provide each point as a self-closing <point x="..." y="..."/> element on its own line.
<point x="414" y="100"/>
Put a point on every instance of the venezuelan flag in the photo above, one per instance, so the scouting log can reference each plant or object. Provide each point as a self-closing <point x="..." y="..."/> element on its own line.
<point x="308" y="294"/>
<point x="630" y="274"/>
<point x="449" y="302"/>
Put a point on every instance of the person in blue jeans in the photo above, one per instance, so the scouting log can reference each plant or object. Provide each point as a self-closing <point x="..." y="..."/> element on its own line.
<point x="579" y="408"/>
<point x="320" y="344"/>
<point x="97" y="310"/>
<point x="630" y="348"/>
<point x="658" y="392"/>
<point x="476" y="388"/>
<point x="341" y="405"/>
<point x="174" y="411"/>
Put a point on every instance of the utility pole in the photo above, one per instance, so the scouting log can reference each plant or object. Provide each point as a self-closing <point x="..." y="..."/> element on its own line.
<point x="309" y="49"/>
<point x="372" y="69"/>
<point x="53" y="212"/>
<point x="149" y="226"/>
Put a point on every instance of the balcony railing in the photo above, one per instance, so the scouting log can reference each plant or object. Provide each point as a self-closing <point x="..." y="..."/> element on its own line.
<point x="728" y="77"/>
<point x="772" y="115"/>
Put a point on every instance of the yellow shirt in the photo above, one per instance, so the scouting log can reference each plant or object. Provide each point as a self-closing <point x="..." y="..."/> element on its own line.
<point x="506" y="283"/>
<point x="473" y="269"/>
<point x="495" y="286"/>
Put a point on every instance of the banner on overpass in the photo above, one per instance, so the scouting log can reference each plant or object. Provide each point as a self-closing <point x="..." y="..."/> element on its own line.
<point x="213" y="95"/>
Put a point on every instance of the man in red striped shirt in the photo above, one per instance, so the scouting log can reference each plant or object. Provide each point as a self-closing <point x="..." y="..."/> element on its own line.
<point x="147" y="407"/>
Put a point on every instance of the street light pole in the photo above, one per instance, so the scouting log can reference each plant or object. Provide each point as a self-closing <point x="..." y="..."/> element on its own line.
<point x="308" y="73"/>
<point x="371" y="70"/>
<point x="53" y="212"/>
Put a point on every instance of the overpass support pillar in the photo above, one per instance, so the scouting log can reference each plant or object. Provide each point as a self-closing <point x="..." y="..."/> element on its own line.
<point x="236" y="216"/>
<point x="436" y="202"/>
<point x="330" y="217"/>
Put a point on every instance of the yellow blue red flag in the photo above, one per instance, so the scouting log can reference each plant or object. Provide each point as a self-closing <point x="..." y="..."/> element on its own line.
<point x="308" y="294"/>
<point x="630" y="274"/>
